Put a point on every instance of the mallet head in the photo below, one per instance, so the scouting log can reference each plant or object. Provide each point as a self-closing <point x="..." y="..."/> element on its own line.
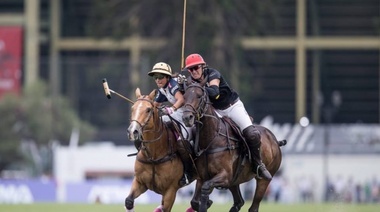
<point x="106" y="88"/>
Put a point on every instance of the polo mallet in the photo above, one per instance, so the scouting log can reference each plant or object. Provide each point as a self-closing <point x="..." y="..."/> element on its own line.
<point x="108" y="92"/>
<point x="183" y="35"/>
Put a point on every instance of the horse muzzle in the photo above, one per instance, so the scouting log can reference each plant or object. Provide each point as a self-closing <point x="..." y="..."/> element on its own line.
<point x="134" y="132"/>
<point x="188" y="119"/>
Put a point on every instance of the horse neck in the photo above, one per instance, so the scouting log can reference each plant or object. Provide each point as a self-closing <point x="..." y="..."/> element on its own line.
<point x="158" y="137"/>
<point x="210" y="120"/>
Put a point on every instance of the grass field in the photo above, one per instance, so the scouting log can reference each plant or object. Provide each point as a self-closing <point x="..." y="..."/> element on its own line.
<point x="265" y="207"/>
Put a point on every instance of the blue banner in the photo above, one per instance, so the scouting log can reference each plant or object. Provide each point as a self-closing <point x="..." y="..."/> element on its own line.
<point x="27" y="191"/>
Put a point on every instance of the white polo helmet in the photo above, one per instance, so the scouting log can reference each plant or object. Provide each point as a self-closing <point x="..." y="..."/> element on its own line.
<point x="161" y="68"/>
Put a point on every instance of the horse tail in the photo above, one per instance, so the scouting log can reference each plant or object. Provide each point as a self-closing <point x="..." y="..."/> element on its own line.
<point x="282" y="142"/>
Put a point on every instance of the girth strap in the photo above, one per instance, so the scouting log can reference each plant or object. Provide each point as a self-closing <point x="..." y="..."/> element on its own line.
<point x="157" y="161"/>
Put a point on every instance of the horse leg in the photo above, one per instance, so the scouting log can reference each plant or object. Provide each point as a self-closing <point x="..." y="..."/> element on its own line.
<point x="261" y="187"/>
<point x="238" y="198"/>
<point x="208" y="186"/>
<point x="195" y="201"/>
<point x="136" y="190"/>
<point x="167" y="200"/>
<point x="206" y="190"/>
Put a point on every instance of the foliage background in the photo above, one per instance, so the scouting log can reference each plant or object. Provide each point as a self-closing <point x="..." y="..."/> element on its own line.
<point x="32" y="123"/>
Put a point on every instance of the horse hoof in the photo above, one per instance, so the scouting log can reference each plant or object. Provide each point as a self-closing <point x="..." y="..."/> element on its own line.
<point x="234" y="209"/>
<point x="190" y="210"/>
<point x="159" y="209"/>
<point x="129" y="210"/>
<point x="209" y="203"/>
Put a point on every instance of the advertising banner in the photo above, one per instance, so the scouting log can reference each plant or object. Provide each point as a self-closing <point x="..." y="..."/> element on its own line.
<point x="27" y="191"/>
<point x="106" y="192"/>
<point x="10" y="59"/>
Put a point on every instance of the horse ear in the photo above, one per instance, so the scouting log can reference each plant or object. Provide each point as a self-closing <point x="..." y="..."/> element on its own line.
<point x="138" y="93"/>
<point x="188" y="80"/>
<point x="187" y="83"/>
<point x="153" y="94"/>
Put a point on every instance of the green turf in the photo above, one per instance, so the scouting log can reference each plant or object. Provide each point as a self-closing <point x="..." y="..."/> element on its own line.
<point x="265" y="207"/>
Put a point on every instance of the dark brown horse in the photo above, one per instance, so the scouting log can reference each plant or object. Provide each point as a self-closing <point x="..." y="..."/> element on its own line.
<point x="223" y="160"/>
<point x="157" y="166"/>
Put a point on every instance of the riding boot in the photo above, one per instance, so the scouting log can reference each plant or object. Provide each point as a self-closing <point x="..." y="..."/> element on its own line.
<point x="253" y="138"/>
<point x="184" y="154"/>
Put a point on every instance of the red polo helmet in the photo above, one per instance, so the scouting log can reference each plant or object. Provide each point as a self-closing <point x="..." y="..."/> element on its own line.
<point x="193" y="60"/>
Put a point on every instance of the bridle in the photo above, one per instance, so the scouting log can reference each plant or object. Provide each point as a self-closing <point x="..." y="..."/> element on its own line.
<point x="146" y="120"/>
<point x="157" y="129"/>
<point x="147" y="157"/>
<point x="199" y="112"/>
<point x="202" y="106"/>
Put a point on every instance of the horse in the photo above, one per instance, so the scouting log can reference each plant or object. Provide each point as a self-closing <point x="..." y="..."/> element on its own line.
<point x="223" y="160"/>
<point x="157" y="166"/>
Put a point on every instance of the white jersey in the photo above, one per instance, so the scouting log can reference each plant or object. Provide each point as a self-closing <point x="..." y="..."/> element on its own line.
<point x="167" y="94"/>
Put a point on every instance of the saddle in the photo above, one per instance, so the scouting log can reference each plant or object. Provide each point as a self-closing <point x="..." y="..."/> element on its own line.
<point x="174" y="126"/>
<point x="240" y="137"/>
<point x="237" y="137"/>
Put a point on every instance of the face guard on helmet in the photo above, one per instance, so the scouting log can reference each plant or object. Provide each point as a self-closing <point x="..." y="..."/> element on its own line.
<point x="193" y="60"/>
<point x="161" y="68"/>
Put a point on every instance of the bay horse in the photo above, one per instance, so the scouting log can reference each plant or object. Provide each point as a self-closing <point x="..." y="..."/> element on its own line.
<point x="157" y="166"/>
<point x="222" y="158"/>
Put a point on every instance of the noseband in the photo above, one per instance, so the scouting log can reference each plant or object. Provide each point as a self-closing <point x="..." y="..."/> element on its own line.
<point x="142" y="125"/>
<point x="202" y="106"/>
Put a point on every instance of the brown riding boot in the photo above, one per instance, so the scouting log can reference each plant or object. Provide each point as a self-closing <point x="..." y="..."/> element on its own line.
<point x="184" y="154"/>
<point x="253" y="138"/>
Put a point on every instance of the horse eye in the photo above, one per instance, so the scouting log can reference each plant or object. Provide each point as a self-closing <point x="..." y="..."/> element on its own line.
<point x="149" y="109"/>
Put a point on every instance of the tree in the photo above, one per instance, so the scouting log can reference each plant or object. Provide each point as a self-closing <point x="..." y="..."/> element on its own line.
<point x="31" y="123"/>
<point x="212" y="27"/>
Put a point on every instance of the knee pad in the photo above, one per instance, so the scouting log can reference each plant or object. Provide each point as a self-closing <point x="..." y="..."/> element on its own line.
<point x="252" y="133"/>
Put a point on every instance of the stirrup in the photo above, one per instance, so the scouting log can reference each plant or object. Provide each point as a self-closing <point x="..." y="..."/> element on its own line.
<point x="257" y="172"/>
<point x="184" y="181"/>
<point x="262" y="165"/>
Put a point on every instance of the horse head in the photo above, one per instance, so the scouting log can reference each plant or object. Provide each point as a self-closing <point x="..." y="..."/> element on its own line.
<point x="196" y="100"/>
<point x="141" y="115"/>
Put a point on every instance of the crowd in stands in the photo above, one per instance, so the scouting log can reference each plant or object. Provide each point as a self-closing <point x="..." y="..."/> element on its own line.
<point x="341" y="189"/>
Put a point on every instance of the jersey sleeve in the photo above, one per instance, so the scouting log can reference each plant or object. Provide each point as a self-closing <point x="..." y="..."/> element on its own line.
<point x="213" y="74"/>
<point x="173" y="86"/>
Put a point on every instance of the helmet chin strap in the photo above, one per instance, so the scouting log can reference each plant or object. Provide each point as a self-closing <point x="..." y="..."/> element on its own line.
<point x="203" y="73"/>
<point x="200" y="78"/>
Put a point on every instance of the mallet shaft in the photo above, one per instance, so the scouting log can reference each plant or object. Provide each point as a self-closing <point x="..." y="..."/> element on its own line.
<point x="112" y="91"/>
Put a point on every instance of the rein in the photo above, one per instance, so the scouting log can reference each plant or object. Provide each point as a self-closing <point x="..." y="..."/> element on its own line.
<point x="199" y="112"/>
<point x="142" y="125"/>
<point x="149" y="152"/>
<point x="203" y="105"/>
<point x="150" y="160"/>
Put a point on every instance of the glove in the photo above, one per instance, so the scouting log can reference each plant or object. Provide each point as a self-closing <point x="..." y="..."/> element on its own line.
<point x="167" y="110"/>
<point x="181" y="79"/>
